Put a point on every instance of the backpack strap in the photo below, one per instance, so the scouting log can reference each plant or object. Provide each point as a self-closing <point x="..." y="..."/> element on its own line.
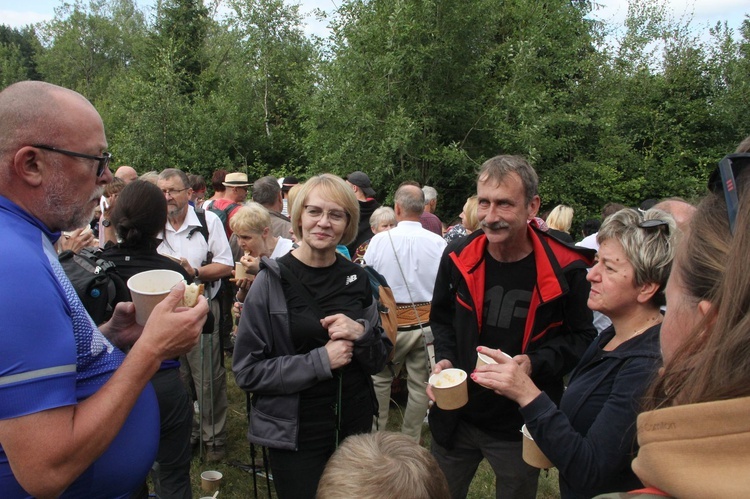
<point x="204" y="226"/>
<point x="203" y="229"/>
<point x="301" y="290"/>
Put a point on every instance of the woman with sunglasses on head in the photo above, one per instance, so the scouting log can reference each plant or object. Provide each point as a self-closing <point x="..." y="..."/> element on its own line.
<point x="695" y="434"/>
<point x="308" y="341"/>
<point x="590" y="438"/>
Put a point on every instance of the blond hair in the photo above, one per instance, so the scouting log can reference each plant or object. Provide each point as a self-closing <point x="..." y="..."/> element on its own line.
<point x="382" y="464"/>
<point x="335" y="190"/>
<point x="471" y="222"/>
<point x="252" y="217"/>
<point x="560" y="218"/>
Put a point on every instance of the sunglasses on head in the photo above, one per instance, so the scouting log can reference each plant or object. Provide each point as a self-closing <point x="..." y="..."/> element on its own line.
<point x="654" y="223"/>
<point x="724" y="178"/>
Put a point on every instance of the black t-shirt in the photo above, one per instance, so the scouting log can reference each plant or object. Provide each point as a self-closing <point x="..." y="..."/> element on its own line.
<point x="507" y="296"/>
<point x="341" y="288"/>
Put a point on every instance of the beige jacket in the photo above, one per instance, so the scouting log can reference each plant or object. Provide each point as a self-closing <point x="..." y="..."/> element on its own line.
<point x="696" y="451"/>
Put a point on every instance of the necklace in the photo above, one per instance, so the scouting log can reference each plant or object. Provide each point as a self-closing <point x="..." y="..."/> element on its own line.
<point x="654" y="320"/>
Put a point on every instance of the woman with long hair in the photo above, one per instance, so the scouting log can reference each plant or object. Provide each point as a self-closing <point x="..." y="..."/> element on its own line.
<point x="695" y="433"/>
<point x="308" y="341"/>
<point x="590" y="438"/>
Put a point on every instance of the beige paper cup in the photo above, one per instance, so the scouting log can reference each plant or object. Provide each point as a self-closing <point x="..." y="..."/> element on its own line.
<point x="449" y="388"/>
<point x="239" y="271"/>
<point x="211" y="481"/>
<point x="148" y="289"/>
<point x="531" y="452"/>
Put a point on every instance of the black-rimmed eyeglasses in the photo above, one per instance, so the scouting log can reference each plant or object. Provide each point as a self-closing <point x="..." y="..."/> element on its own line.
<point x="724" y="178"/>
<point x="103" y="160"/>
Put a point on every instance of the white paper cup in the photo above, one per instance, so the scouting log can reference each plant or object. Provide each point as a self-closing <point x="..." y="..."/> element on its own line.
<point x="211" y="481"/>
<point x="449" y="388"/>
<point x="531" y="452"/>
<point x="239" y="271"/>
<point x="148" y="289"/>
<point x="483" y="360"/>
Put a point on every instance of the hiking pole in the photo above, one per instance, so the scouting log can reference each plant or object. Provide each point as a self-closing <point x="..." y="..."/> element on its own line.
<point x="211" y="388"/>
<point x="200" y="404"/>
<point x="339" y="390"/>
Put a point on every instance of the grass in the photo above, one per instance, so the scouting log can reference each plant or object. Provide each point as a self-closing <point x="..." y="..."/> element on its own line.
<point x="238" y="484"/>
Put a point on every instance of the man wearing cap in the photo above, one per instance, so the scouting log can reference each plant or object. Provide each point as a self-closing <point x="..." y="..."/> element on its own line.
<point x="360" y="184"/>
<point x="266" y="192"/>
<point x="234" y="196"/>
<point x="286" y="184"/>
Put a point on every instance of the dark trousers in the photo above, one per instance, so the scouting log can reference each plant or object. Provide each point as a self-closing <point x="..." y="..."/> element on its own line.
<point x="171" y="472"/>
<point x="296" y="473"/>
<point x="514" y="479"/>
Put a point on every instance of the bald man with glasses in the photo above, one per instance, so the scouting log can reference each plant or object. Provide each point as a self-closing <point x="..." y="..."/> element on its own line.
<point x="77" y="417"/>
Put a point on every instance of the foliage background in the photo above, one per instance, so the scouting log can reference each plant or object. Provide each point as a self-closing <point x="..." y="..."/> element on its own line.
<point x="421" y="90"/>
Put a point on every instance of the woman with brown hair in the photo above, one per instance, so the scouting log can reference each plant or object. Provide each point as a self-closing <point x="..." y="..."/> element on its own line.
<point x="695" y="433"/>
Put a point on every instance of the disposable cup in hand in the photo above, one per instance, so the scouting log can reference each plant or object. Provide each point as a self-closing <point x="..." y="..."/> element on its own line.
<point x="531" y="452"/>
<point x="211" y="481"/>
<point x="449" y="388"/>
<point x="483" y="360"/>
<point x="148" y="289"/>
<point x="239" y="271"/>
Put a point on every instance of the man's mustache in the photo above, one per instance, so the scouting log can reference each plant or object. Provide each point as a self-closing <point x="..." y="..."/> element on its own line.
<point x="495" y="225"/>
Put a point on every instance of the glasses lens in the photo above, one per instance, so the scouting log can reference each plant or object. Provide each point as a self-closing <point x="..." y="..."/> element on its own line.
<point x="103" y="163"/>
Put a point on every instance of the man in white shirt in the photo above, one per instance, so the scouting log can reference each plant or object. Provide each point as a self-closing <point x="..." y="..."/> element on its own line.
<point x="408" y="256"/>
<point x="208" y="259"/>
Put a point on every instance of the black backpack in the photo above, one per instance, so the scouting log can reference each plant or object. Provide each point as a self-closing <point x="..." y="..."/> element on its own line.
<point x="96" y="282"/>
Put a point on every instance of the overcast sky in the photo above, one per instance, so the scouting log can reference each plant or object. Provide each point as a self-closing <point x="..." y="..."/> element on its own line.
<point x="17" y="13"/>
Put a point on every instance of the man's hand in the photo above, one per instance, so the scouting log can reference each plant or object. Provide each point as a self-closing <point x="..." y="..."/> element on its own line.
<point x="76" y="240"/>
<point x="173" y="330"/>
<point x="524" y="363"/>
<point x="507" y="377"/>
<point x="439" y="366"/>
<point x="122" y="330"/>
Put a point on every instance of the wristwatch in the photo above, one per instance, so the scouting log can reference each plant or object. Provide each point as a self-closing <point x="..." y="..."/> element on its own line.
<point x="197" y="274"/>
<point x="106" y="223"/>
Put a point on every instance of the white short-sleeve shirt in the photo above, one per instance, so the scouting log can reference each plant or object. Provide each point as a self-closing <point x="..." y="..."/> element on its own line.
<point x="180" y="243"/>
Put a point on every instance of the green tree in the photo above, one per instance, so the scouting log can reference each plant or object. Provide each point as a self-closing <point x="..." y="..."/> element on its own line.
<point x="86" y="45"/>
<point x="18" y="49"/>
<point x="180" y="29"/>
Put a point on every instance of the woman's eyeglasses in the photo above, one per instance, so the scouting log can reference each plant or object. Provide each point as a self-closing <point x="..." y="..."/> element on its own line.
<point x="334" y="216"/>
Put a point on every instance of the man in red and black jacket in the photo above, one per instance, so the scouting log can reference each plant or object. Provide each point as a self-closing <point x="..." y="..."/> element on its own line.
<point x="516" y="288"/>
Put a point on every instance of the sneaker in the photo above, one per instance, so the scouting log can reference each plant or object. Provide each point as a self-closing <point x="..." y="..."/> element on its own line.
<point x="215" y="453"/>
